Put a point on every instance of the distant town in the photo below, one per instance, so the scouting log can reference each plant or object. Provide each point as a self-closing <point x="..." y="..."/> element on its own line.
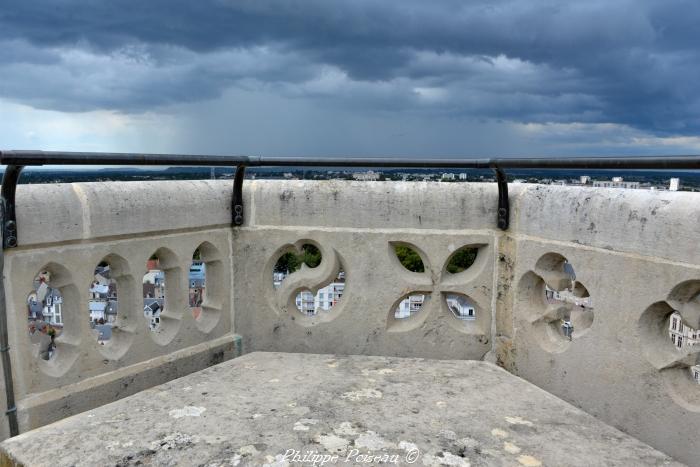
<point x="640" y="180"/>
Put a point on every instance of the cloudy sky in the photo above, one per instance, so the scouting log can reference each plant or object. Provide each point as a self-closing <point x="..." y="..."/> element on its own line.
<point x="355" y="77"/>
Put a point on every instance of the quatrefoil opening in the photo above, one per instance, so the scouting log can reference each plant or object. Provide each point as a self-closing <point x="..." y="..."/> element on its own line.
<point x="436" y="293"/>
<point x="308" y="281"/>
<point x="554" y="303"/>
<point x="670" y="332"/>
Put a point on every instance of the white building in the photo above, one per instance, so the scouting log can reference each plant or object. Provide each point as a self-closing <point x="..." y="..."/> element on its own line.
<point x="680" y="334"/>
<point x="152" y="311"/>
<point x="616" y="182"/>
<point x="277" y="278"/>
<point x="461" y="308"/>
<point x="567" y="296"/>
<point x="97" y="310"/>
<point x="675" y="184"/>
<point x="409" y="306"/>
<point x="462" y="176"/>
<point x="324" y="299"/>
<point x="49" y="301"/>
<point x="369" y="176"/>
<point x="683" y="336"/>
<point x="584" y="179"/>
<point x="448" y="176"/>
<point x="97" y="289"/>
<point x="155" y="277"/>
<point x="53" y="310"/>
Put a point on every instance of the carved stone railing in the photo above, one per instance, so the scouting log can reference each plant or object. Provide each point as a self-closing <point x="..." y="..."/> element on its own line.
<point x="635" y="253"/>
<point x="66" y="230"/>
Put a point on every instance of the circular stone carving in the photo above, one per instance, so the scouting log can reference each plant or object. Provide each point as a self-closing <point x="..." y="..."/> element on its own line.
<point x="558" y="308"/>
<point x="670" y="332"/>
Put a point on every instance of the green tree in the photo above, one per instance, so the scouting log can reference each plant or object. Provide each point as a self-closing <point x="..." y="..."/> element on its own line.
<point x="409" y="258"/>
<point x="290" y="262"/>
<point x="461" y="260"/>
<point x="310" y="255"/>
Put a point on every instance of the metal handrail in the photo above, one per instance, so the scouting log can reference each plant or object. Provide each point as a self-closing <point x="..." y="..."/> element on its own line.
<point x="37" y="158"/>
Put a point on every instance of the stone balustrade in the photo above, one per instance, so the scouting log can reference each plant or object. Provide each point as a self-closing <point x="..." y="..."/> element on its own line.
<point x="627" y="259"/>
<point x="65" y="231"/>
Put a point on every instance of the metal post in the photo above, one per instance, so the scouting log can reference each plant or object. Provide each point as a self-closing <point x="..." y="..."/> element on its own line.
<point x="8" y="224"/>
<point x="9" y="187"/>
<point x="237" y="201"/>
<point x="11" y="411"/>
<point x="503" y="219"/>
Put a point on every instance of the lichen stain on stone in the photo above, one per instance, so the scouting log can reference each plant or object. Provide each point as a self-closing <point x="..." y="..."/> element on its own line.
<point x="511" y="448"/>
<point x="187" y="411"/>
<point x="445" y="458"/>
<point x="497" y="432"/>
<point x="448" y="435"/>
<point x="346" y="429"/>
<point x="372" y="441"/>
<point x="248" y="450"/>
<point x="175" y="440"/>
<point x="277" y="461"/>
<point x="303" y="424"/>
<point x="529" y="461"/>
<point x="362" y="394"/>
<point x="518" y="421"/>
<point x="408" y="446"/>
<point x="332" y="443"/>
<point x="379" y="371"/>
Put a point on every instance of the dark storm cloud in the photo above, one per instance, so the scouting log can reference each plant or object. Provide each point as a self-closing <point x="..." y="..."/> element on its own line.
<point x="629" y="62"/>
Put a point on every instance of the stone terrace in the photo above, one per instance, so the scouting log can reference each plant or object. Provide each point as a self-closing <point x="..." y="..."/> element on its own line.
<point x="284" y="408"/>
<point x="635" y="253"/>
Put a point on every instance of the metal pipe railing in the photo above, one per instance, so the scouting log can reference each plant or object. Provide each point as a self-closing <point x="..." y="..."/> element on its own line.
<point x="37" y="158"/>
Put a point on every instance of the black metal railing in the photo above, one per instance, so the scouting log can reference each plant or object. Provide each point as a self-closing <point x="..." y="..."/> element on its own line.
<point x="36" y="158"/>
<point x="16" y="160"/>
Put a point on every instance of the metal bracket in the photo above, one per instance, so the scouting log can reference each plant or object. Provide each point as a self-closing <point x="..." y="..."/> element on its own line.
<point x="237" y="202"/>
<point x="503" y="203"/>
<point x="9" y="188"/>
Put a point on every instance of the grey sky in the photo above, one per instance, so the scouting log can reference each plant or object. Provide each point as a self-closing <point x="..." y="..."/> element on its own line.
<point x="491" y="77"/>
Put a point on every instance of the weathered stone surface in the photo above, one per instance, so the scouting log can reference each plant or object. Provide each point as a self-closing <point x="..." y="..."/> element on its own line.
<point x="630" y="248"/>
<point x="261" y="408"/>
<point x="362" y="321"/>
<point x="85" y="374"/>
<point x="79" y="211"/>
<point x="661" y="224"/>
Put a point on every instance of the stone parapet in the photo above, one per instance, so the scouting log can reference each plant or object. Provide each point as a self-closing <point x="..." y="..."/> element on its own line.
<point x="635" y="254"/>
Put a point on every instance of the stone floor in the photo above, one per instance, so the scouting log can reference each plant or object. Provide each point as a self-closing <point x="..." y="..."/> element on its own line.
<point x="300" y="409"/>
